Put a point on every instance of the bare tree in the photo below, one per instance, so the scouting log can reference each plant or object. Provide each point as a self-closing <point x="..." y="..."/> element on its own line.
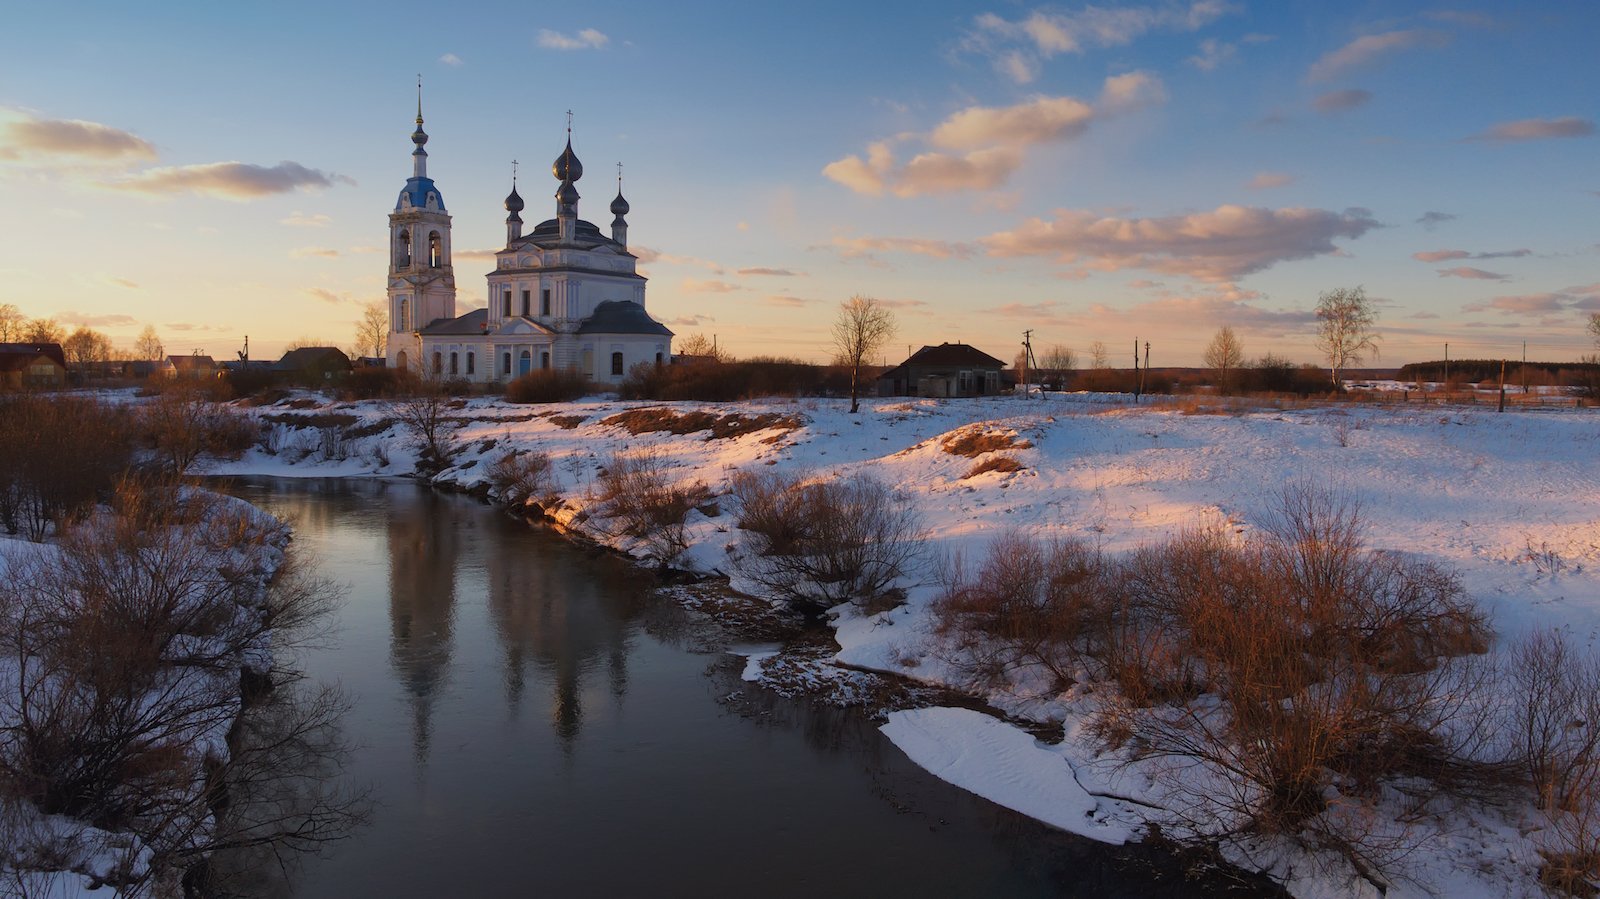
<point x="863" y="325"/>
<point x="372" y="331"/>
<point x="1056" y="362"/>
<point x="148" y="347"/>
<point x="1594" y="327"/>
<point x="700" y="346"/>
<point x="1345" y="318"/>
<point x="1224" y="356"/>
<point x="1098" y="357"/>
<point x="426" y="413"/>
<point x="43" y="330"/>
<point x="11" y="323"/>
<point x="85" y="347"/>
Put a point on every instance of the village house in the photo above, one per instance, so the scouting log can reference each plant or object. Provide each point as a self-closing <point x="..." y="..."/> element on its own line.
<point x="949" y="369"/>
<point x="32" y="365"/>
<point x="196" y="367"/>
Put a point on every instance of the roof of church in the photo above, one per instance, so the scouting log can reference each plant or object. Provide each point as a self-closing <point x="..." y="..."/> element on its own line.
<point x="417" y="190"/>
<point x="472" y="323"/>
<point x="548" y="232"/>
<point x="622" y="317"/>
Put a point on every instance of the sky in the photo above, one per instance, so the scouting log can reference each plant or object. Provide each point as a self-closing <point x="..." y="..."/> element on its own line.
<point x="1145" y="171"/>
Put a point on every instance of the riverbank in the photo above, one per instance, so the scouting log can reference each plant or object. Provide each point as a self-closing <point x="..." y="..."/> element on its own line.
<point x="1504" y="501"/>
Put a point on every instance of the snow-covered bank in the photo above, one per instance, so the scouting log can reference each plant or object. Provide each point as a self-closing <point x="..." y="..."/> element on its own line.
<point x="1506" y="501"/>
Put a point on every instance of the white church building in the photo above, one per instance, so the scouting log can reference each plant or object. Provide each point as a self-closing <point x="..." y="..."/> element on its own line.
<point x="562" y="295"/>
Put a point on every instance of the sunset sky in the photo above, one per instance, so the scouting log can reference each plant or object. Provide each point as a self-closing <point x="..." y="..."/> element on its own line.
<point x="1104" y="172"/>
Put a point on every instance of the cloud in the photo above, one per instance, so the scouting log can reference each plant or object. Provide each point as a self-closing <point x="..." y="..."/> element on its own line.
<point x="84" y="141"/>
<point x="1213" y="53"/>
<point x="474" y="253"/>
<point x="1448" y="255"/>
<point x="1024" y="310"/>
<point x="1464" y="19"/>
<point x="857" y="247"/>
<point x="1537" y="129"/>
<point x="96" y="321"/>
<point x="1338" y="101"/>
<point x="694" y="285"/>
<point x="1269" y="180"/>
<point x="1431" y="220"/>
<point x="587" y="39"/>
<point x="1464" y="271"/>
<point x="648" y="256"/>
<point x="228" y="180"/>
<point x="902" y="304"/>
<point x="772" y="272"/>
<point x="978" y="148"/>
<point x="325" y="295"/>
<point x="299" y="219"/>
<point x="316" y="252"/>
<point x="690" y="321"/>
<point x="124" y="282"/>
<point x="785" y="301"/>
<point x="192" y="326"/>
<point x="450" y="59"/>
<point x="1016" y="47"/>
<point x="1582" y="297"/>
<point x="1221" y="245"/>
<point x="1367" y="50"/>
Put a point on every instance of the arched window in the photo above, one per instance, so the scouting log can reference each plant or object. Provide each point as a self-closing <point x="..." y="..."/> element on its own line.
<point x="438" y="362"/>
<point x="472" y="366"/>
<point x="435" y="250"/>
<point x="616" y="363"/>
<point x="401" y="361"/>
<point x="454" y="370"/>
<point x="405" y="316"/>
<point x="658" y="360"/>
<point x="544" y="360"/>
<point x="402" y="249"/>
<point x="505" y="363"/>
<point x="508" y="304"/>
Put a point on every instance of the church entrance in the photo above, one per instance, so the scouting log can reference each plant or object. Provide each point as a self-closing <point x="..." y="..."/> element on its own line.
<point x="400" y="360"/>
<point x="524" y="363"/>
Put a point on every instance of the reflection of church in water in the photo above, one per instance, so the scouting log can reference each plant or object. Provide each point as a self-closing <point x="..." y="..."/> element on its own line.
<point x="553" y="627"/>
<point x="563" y="295"/>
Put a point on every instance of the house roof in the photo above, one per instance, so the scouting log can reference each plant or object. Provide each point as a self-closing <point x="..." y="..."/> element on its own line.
<point x="29" y="350"/>
<point x="188" y="362"/>
<point x="953" y="354"/>
<point x="313" y="357"/>
<point x="622" y="317"/>
<point x="21" y="361"/>
<point x="471" y="323"/>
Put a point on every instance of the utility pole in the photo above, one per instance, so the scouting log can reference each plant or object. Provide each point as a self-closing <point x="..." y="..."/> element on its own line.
<point x="1027" y="359"/>
<point x="1524" y="369"/>
<point x="1502" y="386"/>
<point x="1447" y="369"/>
<point x="1136" y="379"/>
<point x="1146" y="371"/>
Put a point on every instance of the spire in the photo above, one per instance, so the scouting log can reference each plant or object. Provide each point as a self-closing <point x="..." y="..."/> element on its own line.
<point x="419" y="156"/>
<point x="567" y="169"/>
<point x="619" y="208"/>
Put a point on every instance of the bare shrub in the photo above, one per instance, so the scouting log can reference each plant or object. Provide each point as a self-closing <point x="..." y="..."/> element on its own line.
<point x="522" y="477"/>
<point x="818" y="544"/>
<point x="183" y="421"/>
<point x="638" y="491"/>
<point x="425" y="414"/>
<point x="548" y="385"/>
<point x="1030" y="602"/>
<point x="1331" y="674"/>
<point x="58" y="456"/>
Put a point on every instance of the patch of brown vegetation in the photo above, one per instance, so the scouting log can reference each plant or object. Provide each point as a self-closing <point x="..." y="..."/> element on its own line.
<point x="735" y="424"/>
<point x="974" y="442"/>
<point x="994" y="463"/>
<point x="567" y="422"/>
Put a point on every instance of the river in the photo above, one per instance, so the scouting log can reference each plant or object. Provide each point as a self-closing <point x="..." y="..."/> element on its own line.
<point x="531" y="719"/>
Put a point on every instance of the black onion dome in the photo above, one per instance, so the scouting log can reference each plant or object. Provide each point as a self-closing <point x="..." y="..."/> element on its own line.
<point x="567" y="194"/>
<point x="419" y="137"/>
<point x="567" y="167"/>
<point x="619" y="206"/>
<point x="514" y="201"/>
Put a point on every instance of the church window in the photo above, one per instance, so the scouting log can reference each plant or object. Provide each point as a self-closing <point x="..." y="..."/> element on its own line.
<point x="405" y="315"/>
<point x="472" y="367"/>
<point x="658" y="360"/>
<point x="505" y="363"/>
<point x="435" y="250"/>
<point x="508" y="304"/>
<point x="544" y="359"/>
<point x="454" y="370"/>
<point x="525" y="307"/>
<point x="544" y="301"/>
<point x="402" y="249"/>
<point x="616" y="363"/>
<point x="438" y="362"/>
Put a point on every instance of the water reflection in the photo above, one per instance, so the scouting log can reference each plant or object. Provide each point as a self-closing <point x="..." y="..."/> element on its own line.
<point x="423" y="547"/>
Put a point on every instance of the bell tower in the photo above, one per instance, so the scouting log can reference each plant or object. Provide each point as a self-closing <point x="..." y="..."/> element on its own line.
<point x="422" y="284"/>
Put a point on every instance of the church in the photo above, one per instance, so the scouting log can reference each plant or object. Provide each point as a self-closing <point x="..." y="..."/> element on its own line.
<point x="562" y="295"/>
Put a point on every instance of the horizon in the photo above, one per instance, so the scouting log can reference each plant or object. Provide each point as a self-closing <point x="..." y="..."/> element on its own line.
<point x="1148" y="171"/>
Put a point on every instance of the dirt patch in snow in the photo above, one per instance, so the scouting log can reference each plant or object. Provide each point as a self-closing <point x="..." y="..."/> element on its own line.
<point x="974" y="442"/>
<point x="993" y="463"/>
<point x="661" y="418"/>
<point x="567" y="422"/>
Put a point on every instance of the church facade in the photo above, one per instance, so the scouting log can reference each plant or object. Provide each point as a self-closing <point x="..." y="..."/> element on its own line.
<point x="562" y="295"/>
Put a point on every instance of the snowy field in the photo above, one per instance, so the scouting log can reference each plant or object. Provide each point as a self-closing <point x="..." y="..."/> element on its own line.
<point x="1506" y="501"/>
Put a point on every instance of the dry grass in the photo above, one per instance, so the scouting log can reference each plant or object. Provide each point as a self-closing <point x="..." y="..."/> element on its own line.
<point x="661" y="418"/>
<point x="567" y="422"/>
<point x="638" y="491"/>
<point x="974" y="442"/>
<point x="994" y="463"/>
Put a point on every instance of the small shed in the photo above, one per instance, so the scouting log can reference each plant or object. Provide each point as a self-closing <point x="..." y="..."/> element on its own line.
<point x="194" y="366"/>
<point x="949" y="369"/>
<point x="31" y="365"/>
<point x="314" y="363"/>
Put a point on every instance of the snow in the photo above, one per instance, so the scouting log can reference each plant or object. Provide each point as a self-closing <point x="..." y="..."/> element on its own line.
<point x="1004" y="765"/>
<point x="1506" y="501"/>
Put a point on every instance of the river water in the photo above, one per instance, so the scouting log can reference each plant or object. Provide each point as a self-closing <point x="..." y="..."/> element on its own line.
<point x="530" y="719"/>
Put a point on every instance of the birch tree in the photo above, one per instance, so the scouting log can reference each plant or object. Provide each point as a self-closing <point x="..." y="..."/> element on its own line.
<point x="864" y="324"/>
<point x="1345" y="318"/>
